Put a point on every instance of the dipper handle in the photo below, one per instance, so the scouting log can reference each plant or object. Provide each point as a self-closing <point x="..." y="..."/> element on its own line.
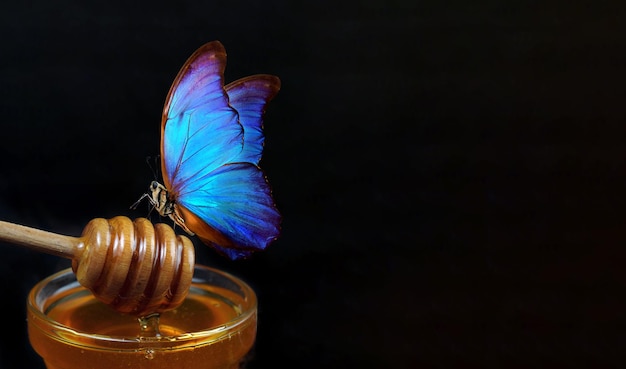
<point x="133" y="266"/>
<point x="36" y="239"/>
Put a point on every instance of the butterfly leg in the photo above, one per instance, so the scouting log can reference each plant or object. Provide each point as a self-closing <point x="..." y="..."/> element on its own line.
<point x="134" y="206"/>
<point x="175" y="216"/>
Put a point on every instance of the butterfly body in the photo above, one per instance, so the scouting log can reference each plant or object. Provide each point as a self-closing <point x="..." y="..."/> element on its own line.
<point x="211" y="145"/>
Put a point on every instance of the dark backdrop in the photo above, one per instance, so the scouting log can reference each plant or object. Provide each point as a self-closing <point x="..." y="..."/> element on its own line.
<point x="451" y="174"/>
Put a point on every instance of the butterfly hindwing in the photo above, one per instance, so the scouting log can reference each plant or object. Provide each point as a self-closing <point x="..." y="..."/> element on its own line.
<point x="238" y="202"/>
<point x="249" y="96"/>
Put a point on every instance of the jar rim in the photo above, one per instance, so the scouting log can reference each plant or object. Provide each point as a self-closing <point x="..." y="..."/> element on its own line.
<point x="35" y="305"/>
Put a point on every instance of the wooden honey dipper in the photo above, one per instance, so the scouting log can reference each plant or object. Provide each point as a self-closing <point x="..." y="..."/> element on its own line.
<point x="133" y="266"/>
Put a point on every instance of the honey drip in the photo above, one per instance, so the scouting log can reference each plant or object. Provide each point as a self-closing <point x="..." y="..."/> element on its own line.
<point x="149" y="325"/>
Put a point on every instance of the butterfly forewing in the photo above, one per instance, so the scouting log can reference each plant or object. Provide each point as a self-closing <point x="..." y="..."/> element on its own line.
<point x="200" y="130"/>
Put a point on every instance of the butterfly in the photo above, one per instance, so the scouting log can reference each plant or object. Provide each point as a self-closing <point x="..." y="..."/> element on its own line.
<point x="211" y="144"/>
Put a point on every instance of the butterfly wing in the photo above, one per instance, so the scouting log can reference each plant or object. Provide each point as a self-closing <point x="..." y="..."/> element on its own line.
<point x="249" y="96"/>
<point x="200" y="131"/>
<point x="210" y="149"/>
<point x="237" y="201"/>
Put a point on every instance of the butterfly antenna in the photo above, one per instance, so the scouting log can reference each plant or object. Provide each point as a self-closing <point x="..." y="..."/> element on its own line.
<point x="153" y="164"/>
<point x="154" y="169"/>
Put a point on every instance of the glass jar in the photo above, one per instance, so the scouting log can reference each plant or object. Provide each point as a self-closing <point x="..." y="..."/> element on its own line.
<point x="214" y="328"/>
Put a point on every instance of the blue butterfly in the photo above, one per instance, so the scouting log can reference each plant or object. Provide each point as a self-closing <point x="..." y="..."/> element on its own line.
<point x="211" y="144"/>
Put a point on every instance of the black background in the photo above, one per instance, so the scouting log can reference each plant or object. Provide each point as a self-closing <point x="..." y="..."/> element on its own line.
<point x="451" y="174"/>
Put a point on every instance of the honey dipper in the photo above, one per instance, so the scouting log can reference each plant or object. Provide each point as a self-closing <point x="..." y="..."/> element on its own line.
<point x="133" y="266"/>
